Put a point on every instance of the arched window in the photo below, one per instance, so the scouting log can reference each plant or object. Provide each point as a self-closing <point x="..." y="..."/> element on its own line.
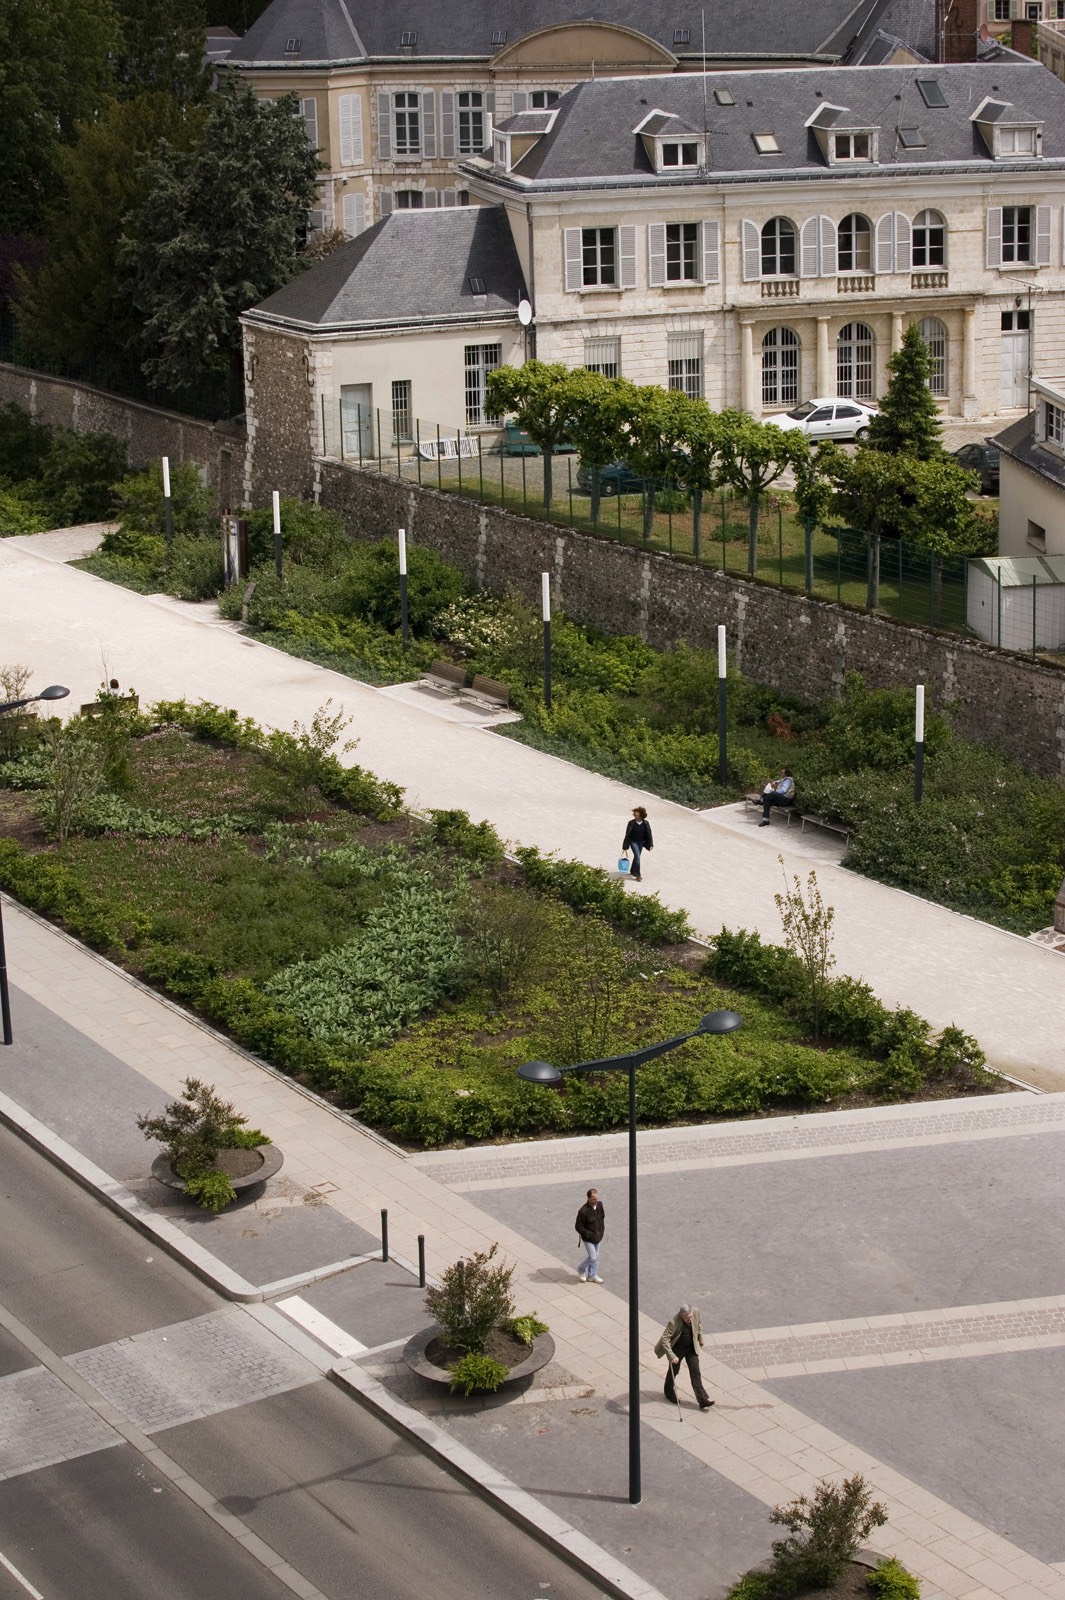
<point x="934" y="334"/>
<point x="856" y="362"/>
<point x="855" y="244"/>
<point x="780" y="367"/>
<point x="929" y="240"/>
<point x="778" y="248"/>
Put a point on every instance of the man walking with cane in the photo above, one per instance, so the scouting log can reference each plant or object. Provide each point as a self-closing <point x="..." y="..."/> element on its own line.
<point x="680" y="1341"/>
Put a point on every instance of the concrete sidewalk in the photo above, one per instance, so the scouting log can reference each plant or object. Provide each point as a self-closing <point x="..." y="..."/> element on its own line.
<point x="720" y="867"/>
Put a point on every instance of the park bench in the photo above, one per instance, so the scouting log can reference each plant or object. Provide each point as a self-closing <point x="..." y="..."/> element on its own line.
<point x="754" y="798"/>
<point x="825" y="822"/>
<point x="447" y="676"/>
<point x="96" y="708"/>
<point x="496" y="694"/>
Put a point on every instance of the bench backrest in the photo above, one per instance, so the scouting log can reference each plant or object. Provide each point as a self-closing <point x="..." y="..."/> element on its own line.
<point x="449" y="671"/>
<point x="491" y="689"/>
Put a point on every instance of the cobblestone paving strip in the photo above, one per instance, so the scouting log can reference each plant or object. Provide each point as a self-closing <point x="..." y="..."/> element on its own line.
<point x="955" y="1330"/>
<point x="193" y="1369"/>
<point x="42" y="1422"/>
<point x="813" y="1135"/>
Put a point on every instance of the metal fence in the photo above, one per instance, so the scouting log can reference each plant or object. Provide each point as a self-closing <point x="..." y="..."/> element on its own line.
<point x="505" y="470"/>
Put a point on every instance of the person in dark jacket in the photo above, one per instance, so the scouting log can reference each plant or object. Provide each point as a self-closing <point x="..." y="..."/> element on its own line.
<point x="591" y="1225"/>
<point x="637" y="839"/>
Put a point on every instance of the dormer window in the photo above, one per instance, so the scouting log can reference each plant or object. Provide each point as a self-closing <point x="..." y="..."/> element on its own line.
<point x="852" y="146"/>
<point x="408" y="39"/>
<point x="1015" y="142"/>
<point x="501" y="152"/>
<point x="1007" y="134"/>
<point x="683" y="154"/>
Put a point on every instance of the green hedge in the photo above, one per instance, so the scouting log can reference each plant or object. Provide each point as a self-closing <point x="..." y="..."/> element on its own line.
<point x="585" y="888"/>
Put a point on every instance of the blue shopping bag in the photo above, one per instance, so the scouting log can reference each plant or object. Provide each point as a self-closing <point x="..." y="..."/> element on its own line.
<point x="623" y="864"/>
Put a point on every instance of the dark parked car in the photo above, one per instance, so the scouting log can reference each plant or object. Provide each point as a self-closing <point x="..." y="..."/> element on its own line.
<point x="981" y="458"/>
<point x="615" y="478"/>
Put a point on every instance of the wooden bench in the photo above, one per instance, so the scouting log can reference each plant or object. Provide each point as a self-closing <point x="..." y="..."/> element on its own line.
<point x="447" y="676"/>
<point x="97" y="708"/>
<point x="825" y="822"/>
<point x="490" y="690"/>
<point x="755" y="799"/>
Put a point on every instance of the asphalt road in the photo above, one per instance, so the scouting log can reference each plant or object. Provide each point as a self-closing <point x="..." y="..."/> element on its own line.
<point x="353" y="1508"/>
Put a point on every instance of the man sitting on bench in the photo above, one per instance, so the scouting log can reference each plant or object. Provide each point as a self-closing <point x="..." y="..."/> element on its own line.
<point x="778" y="792"/>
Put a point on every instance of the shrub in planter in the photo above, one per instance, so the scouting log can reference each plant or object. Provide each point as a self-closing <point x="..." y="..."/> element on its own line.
<point x="824" y="1535"/>
<point x="473" y="1298"/>
<point x="890" y="1580"/>
<point x="477" y="1374"/>
<point x="193" y="1131"/>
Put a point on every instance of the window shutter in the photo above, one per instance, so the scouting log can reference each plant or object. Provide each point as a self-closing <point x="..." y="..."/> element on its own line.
<point x="490" y="105"/>
<point x="429" y="124"/>
<point x="384" y="126"/>
<point x="447" y="124"/>
<point x="993" y="237"/>
<point x="350" y="130"/>
<point x="1042" y="236"/>
<point x="520" y="101"/>
<point x="829" y="255"/>
<point x="902" y="242"/>
<point x="572" y="245"/>
<point x="656" y="254"/>
<point x="752" y="251"/>
<point x="450" y="197"/>
<point x="810" y="248"/>
<point x="386" y="202"/>
<point x="885" y="243"/>
<point x="430" y="198"/>
<point x="354" y="214"/>
<point x="711" y="231"/>
<point x="309" y="113"/>
<point x="627" y="257"/>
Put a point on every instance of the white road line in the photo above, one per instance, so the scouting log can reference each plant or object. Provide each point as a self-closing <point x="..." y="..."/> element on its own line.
<point x="316" y="1323"/>
<point x="17" y="1575"/>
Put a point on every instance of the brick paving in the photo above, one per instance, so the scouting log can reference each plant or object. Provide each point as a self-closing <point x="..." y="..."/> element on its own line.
<point x="1009" y="1114"/>
<point x="42" y="1422"/>
<point x="953" y="1331"/>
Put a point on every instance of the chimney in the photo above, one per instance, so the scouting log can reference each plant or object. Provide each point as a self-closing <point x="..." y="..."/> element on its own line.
<point x="1022" y="36"/>
<point x="957" y="22"/>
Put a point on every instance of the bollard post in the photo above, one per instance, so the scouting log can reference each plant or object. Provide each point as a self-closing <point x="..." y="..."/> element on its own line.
<point x="277" y="532"/>
<point x="168" y="504"/>
<point x="404" y="620"/>
<point x="384" y="1234"/>
<point x="918" y="753"/>
<point x="545" y="599"/>
<point x="421" y="1261"/>
<point x="722" y="708"/>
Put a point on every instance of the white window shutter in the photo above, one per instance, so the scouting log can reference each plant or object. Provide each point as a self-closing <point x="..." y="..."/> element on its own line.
<point x="360" y="214"/>
<point x="447" y="124"/>
<point x="490" y="105"/>
<point x="309" y="113"/>
<point x="572" y="246"/>
<point x="627" y="257"/>
<point x="385" y="202"/>
<point x="450" y="197"/>
<point x="993" y="237"/>
<point x="752" y="251"/>
<point x="810" y="248"/>
<point x="711" y="231"/>
<point x="903" y="252"/>
<point x="656" y="254"/>
<point x="430" y="198"/>
<point x="429" y="124"/>
<point x="350" y="108"/>
<point x="353" y="212"/>
<point x="384" y="126"/>
<point x="885" y="243"/>
<point x="520" y="101"/>
<point x="829" y="254"/>
<point x="1042" y="236"/>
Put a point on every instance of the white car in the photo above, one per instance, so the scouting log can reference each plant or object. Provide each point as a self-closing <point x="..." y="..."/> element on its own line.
<point x="827" y="419"/>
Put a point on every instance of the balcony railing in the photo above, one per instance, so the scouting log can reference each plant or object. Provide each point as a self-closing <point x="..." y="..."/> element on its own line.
<point x="934" y="279"/>
<point x="856" y="283"/>
<point x="780" y="288"/>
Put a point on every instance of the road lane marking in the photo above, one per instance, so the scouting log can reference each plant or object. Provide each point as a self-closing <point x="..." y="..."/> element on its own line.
<point x="19" y="1577"/>
<point x="324" y="1330"/>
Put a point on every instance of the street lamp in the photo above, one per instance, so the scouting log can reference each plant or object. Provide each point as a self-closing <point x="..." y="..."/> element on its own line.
<point x="55" y="691"/>
<point x="543" y="1073"/>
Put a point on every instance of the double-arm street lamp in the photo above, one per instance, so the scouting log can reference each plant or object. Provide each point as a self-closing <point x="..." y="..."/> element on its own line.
<point x="542" y="1072"/>
<point x="55" y="691"/>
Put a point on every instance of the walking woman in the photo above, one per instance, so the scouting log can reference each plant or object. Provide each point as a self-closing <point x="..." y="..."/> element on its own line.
<point x="637" y="839"/>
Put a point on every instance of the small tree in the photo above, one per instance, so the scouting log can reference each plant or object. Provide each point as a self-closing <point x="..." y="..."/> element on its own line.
<point x="473" y="1298"/>
<point x="753" y="456"/>
<point x="192" y="1131"/>
<point x="907" y="422"/>
<point x="814" y="488"/>
<point x="807" y="924"/>
<point x="700" y="463"/>
<point x="536" y="396"/>
<point x="73" y="775"/>
<point x="824" y="1534"/>
<point x="655" y="424"/>
<point x="593" y="426"/>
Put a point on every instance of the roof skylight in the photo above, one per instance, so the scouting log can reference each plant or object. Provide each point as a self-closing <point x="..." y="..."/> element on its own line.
<point x="931" y="92"/>
<point x="766" y="144"/>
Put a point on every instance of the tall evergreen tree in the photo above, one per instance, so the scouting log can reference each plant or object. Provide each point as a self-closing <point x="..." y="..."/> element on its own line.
<point x="907" y="422"/>
<point x="160" y="49"/>
<point x="221" y="229"/>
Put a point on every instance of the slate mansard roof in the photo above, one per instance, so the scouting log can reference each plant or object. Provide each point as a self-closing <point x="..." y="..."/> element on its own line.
<point x="298" y="33"/>
<point x="412" y="267"/>
<point x="592" y="142"/>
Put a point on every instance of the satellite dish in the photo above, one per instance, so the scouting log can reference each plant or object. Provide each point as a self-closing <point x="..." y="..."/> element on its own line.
<point x="525" y="313"/>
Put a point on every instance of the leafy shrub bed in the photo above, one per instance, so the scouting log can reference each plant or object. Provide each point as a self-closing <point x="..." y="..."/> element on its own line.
<point x="406" y="969"/>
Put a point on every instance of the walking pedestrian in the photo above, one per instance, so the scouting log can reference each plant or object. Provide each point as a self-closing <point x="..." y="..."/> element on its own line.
<point x="680" y="1341"/>
<point x="637" y="839"/>
<point x="591" y="1225"/>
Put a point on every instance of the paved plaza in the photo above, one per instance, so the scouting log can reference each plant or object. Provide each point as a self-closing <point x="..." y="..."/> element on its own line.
<point x="882" y="1291"/>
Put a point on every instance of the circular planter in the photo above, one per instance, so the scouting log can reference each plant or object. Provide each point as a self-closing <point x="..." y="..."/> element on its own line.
<point x="270" y="1162"/>
<point x="541" y="1352"/>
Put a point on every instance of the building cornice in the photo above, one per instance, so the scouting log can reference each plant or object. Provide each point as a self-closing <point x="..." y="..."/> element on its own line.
<point x="532" y="188"/>
<point x="329" y="330"/>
